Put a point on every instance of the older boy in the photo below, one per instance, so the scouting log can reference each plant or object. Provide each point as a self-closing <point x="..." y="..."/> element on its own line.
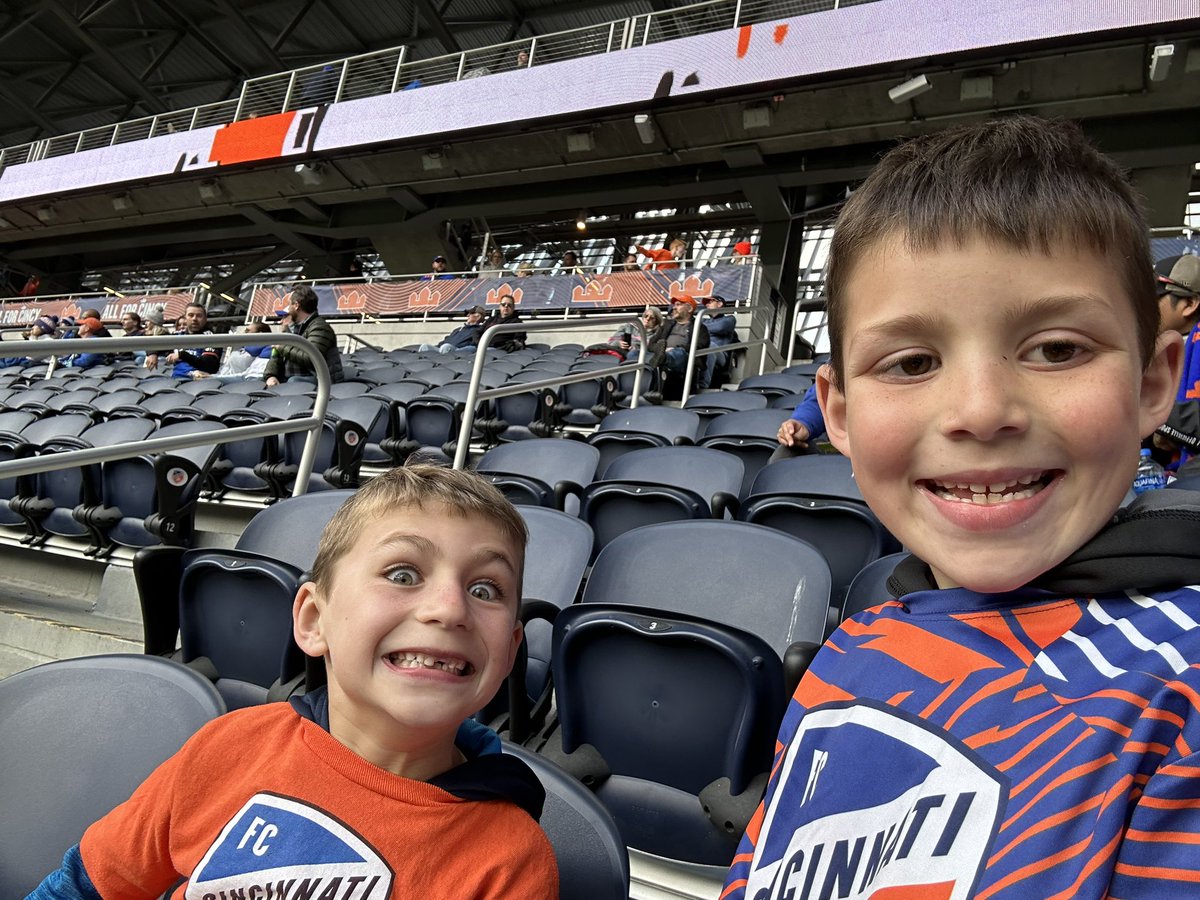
<point x="373" y="788"/>
<point x="1022" y="722"/>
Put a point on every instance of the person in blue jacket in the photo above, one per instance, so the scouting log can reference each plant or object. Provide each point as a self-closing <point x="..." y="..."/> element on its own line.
<point x="722" y="331"/>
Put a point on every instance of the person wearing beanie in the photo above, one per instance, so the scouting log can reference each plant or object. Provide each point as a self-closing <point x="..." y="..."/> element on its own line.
<point x="45" y="328"/>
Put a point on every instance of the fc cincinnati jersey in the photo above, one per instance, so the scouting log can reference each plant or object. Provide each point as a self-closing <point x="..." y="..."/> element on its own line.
<point x="1011" y="746"/>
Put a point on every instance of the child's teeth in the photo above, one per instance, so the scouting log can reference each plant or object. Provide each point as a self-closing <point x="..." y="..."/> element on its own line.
<point x="978" y="488"/>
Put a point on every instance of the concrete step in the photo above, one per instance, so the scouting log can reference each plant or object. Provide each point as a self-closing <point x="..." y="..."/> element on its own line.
<point x="32" y="633"/>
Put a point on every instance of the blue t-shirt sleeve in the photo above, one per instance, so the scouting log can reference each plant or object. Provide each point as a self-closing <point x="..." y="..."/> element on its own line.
<point x="70" y="882"/>
<point x="808" y="413"/>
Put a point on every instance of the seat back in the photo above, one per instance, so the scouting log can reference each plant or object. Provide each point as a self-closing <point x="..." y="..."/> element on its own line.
<point x="699" y="568"/>
<point x="235" y="609"/>
<point x="593" y="863"/>
<point x="290" y="530"/>
<point x="647" y="426"/>
<point x="775" y="385"/>
<point x="671" y="704"/>
<point x="529" y="472"/>
<point x="751" y="435"/>
<point x="128" y="713"/>
<point x="869" y="587"/>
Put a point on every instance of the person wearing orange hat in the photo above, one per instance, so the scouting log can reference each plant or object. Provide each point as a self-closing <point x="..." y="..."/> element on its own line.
<point x="89" y="327"/>
<point x="742" y="251"/>
<point x="675" y="337"/>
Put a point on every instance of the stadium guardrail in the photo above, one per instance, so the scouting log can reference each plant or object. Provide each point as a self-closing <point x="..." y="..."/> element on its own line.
<point x="69" y="459"/>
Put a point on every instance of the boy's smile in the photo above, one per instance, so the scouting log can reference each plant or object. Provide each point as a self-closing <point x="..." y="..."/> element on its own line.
<point x="993" y="403"/>
<point x="418" y="630"/>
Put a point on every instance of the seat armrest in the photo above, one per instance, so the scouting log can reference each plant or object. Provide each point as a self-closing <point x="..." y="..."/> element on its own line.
<point x="732" y="812"/>
<point x="796" y="660"/>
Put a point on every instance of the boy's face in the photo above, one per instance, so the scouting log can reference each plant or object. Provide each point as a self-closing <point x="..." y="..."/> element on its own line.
<point x="993" y="403"/>
<point x="417" y="626"/>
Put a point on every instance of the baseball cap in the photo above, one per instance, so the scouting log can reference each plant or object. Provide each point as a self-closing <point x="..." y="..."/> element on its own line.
<point x="1178" y="275"/>
<point x="685" y="298"/>
<point x="476" y="311"/>
<point x="91" y="322"/>
<point x="742" y="248"/>
<point x="439" y="259"/>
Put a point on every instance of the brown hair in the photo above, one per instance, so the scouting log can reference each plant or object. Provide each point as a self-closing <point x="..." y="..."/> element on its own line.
<point x="1022" y="182"/>
<point x="462" y="494"/>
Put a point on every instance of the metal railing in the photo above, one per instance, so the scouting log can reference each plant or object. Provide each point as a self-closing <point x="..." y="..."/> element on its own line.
<point x="69" y="459"/>
<point x="475" y="396"/>
<point x="387" y="71"/>
<point x="694" y="354"/>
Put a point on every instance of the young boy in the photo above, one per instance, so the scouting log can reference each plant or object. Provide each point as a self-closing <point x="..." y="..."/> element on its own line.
<point x="1023" y="721"/>
<point x="375" y="787"/>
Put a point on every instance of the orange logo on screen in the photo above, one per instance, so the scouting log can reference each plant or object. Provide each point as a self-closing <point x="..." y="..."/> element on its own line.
<point x="351" y="301"/>
<point x="425" y="299"/>
<point x="494" y="296"/>
<point x="261" y="138"/>
<point x="693" y="286"/>
<point x="592" y="292"/>
<point x="71" y="310"/>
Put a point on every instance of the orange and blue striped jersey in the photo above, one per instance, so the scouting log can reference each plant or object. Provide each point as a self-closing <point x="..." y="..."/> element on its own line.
<point x="956" y="745"/>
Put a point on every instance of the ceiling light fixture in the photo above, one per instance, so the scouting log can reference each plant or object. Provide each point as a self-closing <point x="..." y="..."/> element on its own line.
<point x="907" y="90"/>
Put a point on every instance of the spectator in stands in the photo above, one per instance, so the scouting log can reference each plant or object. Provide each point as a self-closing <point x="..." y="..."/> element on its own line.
<point x="131" y="325"/>
<point x="722" y="330"/>
<point x="184" y="362"/>
<point x="569" y="264"/>
<point x="525" y="269"/>
<point x="805" y="424"/>
<point x="674" y="339"/>
<point x="668" y="257"/>
<point x="44" y="328"/>
<point x="465" y="337"/>
<point x="290" y="363"/>
<point x="412" y="604"/>
<point x="1178" y="281"/>
<point x="66" y="328"/>
<point x="506" y="315"/>
<point x="154" y="326"/>
<point x="243" y="363"/>
<point x="742" y="252"/>
<point x="1031" y="690"/>
<point x="94" y="313"/>
<point x="495" y="266"/>
<point x="522" y="61"/>
<point x="439" y="272"/>
<point x="627" y="339"/>
<point x="631" y="263"/>
<point x="32" y="285"/>
<point x="89" y="327"/>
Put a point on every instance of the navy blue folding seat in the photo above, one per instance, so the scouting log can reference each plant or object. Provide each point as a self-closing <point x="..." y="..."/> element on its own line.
<point x="74" y="399"/>
<point x="34" y="399"/>
<point x="1186" y="483"/>
<point x="869" y="587"/>
<point x="251" y="386"/>
<point x="815" y="497"/>
<point x="520" y="417"/>
<point x="434" y="375"/>
<point x="751" y="435"/>
<point x="593" y="863"/>
<point x="13" y="420"/>
<point x="48" y="500"/>
<point x="711" y="404"/>
<point x="109" y="401"/>
<point x="646" y="426"/>
<point x="776" y="385"/>
<point x="677" y="641"/>
<point x="122" y="383"/>
<point x="28" y="442"/>
<point x="201" y="386"/>
<point x="151" y="498"/>
<point x="382" y="374"/>
<point x="153" y="384"/>
<point x="244" y="456"/>
<point x="157" y="405"/>
<point x="434" y="419"/>
<point x="785" y="401"/>
<point x="587" y="402"/>
<point x="542" y="471"/>
<point x="340" y="445"/>
<point x="803" y="370"/>
<point x="397" y="396"/>
<point x="130" y="713"/>
<point x="235" y="611"/>
<point x="344" y="390"/>
<point x="661" y="484"/>
<point x="290" y="388"/>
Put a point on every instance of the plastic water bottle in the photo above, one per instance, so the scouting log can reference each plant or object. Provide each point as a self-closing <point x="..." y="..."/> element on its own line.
<point x="1150" y="475"/>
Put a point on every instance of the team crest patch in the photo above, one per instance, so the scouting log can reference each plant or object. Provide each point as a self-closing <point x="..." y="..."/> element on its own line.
<point x="282" y="849"/>
<point x="874" y="804"/>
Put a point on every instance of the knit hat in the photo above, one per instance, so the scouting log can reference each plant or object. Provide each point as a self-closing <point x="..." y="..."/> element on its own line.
<point x="742" y="248"/>
<point x="155" y="316"/>
<point x="68" y="322"/>
<point x="47" y="324"/>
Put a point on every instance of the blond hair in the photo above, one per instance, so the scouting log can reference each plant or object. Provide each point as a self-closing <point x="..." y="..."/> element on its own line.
<point x="460" y="493"/>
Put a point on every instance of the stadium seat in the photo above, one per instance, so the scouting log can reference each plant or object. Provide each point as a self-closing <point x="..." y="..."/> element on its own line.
<point x="869" y="587"/>
<point x="646" y="426"/>
<point x="340" y="445"/>
<point x="593" y="863"/>
<point x="666" y="713"/>
<point x="521" y="417"/>
<point x="28" y="442"/>
<point x="55" y="494"/>
<point x="128" y="714"/>
<point x="541" y="472"/>
<point x="235" y="611"/>
<point x="711" y="404"/>
<point x="776" y="385"/>
<point x="814" y="497"/>
<point x="751" y="435"/>
<point x="661" y="484"/>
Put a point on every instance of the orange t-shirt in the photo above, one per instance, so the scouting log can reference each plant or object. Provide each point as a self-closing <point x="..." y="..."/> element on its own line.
<point x="262" y="802"/>
<point x="663" y="259"/>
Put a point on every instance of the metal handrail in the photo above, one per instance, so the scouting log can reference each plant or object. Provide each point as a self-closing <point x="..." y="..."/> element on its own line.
<point x="694" y="354"/>
<point x="312" y="424"/>
<point x="474" y="395"/>
<point x="245" y="106"/>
